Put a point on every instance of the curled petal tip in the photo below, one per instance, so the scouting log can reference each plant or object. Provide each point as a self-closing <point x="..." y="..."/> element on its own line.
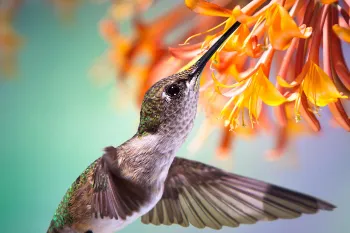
<point x="207" y="8"/>
<point x="342" y="32"/>
<point x="284" y="83"/>
<point x="308" y="115"/>
<point x="186" y="52"/>
<point x="328" y="1"/>
<point x="282" y="28"/>
<point x="340" y="115"/>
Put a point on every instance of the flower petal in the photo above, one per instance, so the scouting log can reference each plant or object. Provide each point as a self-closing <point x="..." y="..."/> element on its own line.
<point x="328" y="1"/>
<point x="284" y="83"/>
<point x="240" y="16"/>
<point x="269" y="93"/>
<point x="219" y="84"/>
<point x="243" y="42"/>
<point x="239" y="89"/>
<point x="318" y="87"/>
<point x="186" y="52"/>
<point x="207" y="8"/>
<point x="282" y="28"/>
<point x="342" y="32"/>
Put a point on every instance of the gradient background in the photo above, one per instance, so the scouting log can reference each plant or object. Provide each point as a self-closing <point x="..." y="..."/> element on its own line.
<point x="55" y="121"/>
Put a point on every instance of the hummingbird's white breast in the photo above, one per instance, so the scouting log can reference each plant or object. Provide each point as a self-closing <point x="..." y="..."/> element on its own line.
<point x="151" y="145"/>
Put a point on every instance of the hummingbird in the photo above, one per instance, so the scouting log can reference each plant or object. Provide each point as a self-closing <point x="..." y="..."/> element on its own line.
<point x="143" y="177"/>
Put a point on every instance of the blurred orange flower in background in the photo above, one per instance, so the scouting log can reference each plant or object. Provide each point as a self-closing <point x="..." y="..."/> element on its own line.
<point x="10" y="40"/>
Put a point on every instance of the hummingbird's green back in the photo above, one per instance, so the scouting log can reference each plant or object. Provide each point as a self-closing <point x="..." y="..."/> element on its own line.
<point x="64" y="214"/>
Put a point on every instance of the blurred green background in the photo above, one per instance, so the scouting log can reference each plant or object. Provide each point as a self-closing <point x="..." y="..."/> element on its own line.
<point x="55" y="121"/>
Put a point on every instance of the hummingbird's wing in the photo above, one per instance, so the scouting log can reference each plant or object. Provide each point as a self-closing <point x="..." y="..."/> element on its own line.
<point x="205" y="196"/>
<point x="113" y="196"/>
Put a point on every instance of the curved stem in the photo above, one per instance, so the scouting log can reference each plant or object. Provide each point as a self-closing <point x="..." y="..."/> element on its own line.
<point x="336" y="108"/>
<point x="316" y="35"/>
<point x="344" y="14"/>
<point x="337" y="55"/>
<point x="339" y="114"/>
<point x="300" y="55"/>
<point x="287" y="58"/>
<point x="309" y="117"/>
<point x="280" y="111"/>
<point x="347" y="8"/>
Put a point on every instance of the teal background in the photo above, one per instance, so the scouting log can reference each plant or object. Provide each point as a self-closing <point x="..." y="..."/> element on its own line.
<point x="55" y="121"/>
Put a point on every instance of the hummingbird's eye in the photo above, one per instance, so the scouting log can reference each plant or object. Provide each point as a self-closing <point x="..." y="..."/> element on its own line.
<point x="173" y="90"/>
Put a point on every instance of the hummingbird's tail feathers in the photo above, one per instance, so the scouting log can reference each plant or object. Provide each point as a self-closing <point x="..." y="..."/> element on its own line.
<point x="205" y="196"/>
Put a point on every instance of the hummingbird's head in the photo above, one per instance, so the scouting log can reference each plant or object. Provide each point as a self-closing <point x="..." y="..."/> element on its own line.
<point x="170" y="105"/>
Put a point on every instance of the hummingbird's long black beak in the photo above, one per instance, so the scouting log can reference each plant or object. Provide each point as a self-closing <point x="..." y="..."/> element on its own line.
<point x="200" y="64"/>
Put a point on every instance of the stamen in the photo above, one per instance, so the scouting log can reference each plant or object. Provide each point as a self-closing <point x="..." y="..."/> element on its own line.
<point x="260" y="21"/>
<point x="202" y="33"/>
<point x="242" y="116"/>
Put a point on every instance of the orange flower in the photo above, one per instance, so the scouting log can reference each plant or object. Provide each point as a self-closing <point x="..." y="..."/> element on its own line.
<point x="10" y="40"/>
<point x="279" y="25"/>
<point x="317" y="86"/>
<point x="282" y="28"/>
<point x="244" y="42"/>
<point x="207" y="8"/>
<point x="249" y="93"/>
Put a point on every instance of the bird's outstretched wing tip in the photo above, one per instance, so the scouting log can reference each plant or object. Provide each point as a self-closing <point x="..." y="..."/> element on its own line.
<point x="323" y="205"/>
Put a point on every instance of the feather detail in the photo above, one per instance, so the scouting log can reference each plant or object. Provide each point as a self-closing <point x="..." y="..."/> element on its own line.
<point x="209" y="197"/>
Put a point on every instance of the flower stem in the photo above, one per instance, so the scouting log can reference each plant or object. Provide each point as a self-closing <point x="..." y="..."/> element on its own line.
<point x="309" y="116"/>
<point x="336" y="108"/>
<point x="280" y="111"/>
<point x="300" y="55"/>
<point x="316" y="35"/>
<point x="287" y="58"/>
<point x="337" y="55"/>
<point x="344" y="14"/>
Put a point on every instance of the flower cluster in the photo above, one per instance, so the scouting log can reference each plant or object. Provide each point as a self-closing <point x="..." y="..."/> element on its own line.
<point x="297" y="44"/>
<point x="291" y="31"/>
